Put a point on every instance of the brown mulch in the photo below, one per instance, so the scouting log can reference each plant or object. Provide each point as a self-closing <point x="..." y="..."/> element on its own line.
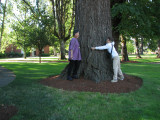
<point x="6" y="112"/>
<point x="130" y="83"/>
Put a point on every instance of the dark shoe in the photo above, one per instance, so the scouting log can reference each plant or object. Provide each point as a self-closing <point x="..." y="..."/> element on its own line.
<point x="69" y="78"/>
<point x="75" y="76"/>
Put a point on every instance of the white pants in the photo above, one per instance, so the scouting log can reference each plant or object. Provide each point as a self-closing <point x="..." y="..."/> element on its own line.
<point x="117" y="69"/>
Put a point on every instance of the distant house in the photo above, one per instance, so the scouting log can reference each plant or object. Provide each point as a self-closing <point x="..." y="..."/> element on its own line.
<point x="13" y="48"/>
<point x="35" y="52"/>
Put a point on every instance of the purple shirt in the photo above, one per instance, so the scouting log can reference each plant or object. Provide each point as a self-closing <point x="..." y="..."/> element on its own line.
<point x="74" y="45"/>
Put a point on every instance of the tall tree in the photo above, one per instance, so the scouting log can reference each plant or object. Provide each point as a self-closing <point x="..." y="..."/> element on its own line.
<point x="158" y="55"/>
<point x="135" y="19"/>
<point x="116" y="20"/>
<point x="22" y="35"/>
<point x="3" y="22"/>
<point x="141" y="45"/>
<point x="137" y="48"/>
<point x="124" y="49"/>
<point x="155" y="17"/>
<point x="93" y="20"/>
<point x="39" y="38"/>
<point x="63" y="17"/>
<point x="40" y="26"/>
<point x="21" y="27"/>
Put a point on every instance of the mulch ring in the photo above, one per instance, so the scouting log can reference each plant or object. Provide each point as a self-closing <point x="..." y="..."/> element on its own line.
<point x="130" y="83"/>
<point x="6" y="112"/>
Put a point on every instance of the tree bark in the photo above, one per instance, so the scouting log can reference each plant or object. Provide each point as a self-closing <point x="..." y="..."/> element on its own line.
<point x="116" y="39"/>
<point x="158" y="55"/>
<point x="25" y="54"/>
<point x="40" y="54"/>
<point x="54" y="51"/>
<point x="124" y="49"/>
<point x="62" y="48"/>
<point x="93" y="20"/>
<point x="137" y="48"/>
<point x="142" y="46"/>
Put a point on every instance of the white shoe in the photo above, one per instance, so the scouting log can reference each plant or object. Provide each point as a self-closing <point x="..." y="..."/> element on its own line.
<point x="121" y="78"/>
<point x="113" y="81"/>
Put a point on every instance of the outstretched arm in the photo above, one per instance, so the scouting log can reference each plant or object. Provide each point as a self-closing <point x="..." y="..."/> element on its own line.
<point x="100" y="47"/>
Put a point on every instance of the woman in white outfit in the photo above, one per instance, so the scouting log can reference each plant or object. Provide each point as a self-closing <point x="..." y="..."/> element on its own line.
<point x="116" y="60"/>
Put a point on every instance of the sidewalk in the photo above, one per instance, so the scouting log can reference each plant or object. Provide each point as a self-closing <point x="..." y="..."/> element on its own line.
<point x="33" y="60"/>
<point x="6" y="76"/>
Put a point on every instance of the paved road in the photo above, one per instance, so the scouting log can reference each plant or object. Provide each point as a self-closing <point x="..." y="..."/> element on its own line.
<point x="6" y="76"/>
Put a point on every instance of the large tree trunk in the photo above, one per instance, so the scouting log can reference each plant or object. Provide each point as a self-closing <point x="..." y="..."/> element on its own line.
<point x="62" y="48"/>
<point x="93" y="20"/>
<point x="158" y="55"/>
<point x="137" y="48"/>
<point x="124" y="49"/>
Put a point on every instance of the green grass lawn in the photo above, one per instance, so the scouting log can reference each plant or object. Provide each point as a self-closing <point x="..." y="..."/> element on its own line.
<point x="38" y="102"/>
<point x="145" y="58"/>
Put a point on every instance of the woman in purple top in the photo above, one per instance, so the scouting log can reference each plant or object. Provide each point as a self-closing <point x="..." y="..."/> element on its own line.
<point x="74" y="56"/>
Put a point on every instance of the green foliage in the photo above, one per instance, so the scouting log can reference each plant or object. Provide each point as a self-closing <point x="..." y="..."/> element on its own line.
<point x="130" y="47"/>
<point x="10" y="55"/>
<point x="45" y="55"/>
<point x="153" y="44"/>
<point x="2" y="55"/>
<point x="14" y="54"/>
<point x="134" y="18"/>
<point x="155" y="17"/>
<point x="21" y="30"/>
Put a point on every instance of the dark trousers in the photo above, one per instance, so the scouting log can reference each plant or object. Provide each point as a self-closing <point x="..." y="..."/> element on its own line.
<point x="73" y="65"/>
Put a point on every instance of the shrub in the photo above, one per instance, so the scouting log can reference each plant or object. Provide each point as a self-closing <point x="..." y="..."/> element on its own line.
<point x="45" y="55"/>
<point x="13" y="54"/>
<point x="28" y="54"/>
<point x="2" y="55"/>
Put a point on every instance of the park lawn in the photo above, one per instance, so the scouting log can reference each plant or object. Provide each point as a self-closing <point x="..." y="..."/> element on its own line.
<point x="38" y="102"/>
<point x="145" y="58"/>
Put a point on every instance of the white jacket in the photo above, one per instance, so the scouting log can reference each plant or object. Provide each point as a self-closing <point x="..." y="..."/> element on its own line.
<point x="108" y="46"/>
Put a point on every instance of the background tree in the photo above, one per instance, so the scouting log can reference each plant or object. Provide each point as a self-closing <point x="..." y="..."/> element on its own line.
<point x="130" y="46"/>
<point x="134" y="20"/>
<point x="3" y="21"/>
<point x="155" y="17"/>
<point x="39" y="38"/>
<point x="116" y="20"/>
<point x="124" y="51"/>
<point x="21" y="27"/>
<point x="63" y="19"/>
<point x="22" y="36"/>
<point x="40" y="25"/>
<point x="93" y="20"/>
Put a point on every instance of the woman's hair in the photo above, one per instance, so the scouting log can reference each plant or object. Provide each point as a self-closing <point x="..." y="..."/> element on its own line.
<point x="75" y="31"/>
